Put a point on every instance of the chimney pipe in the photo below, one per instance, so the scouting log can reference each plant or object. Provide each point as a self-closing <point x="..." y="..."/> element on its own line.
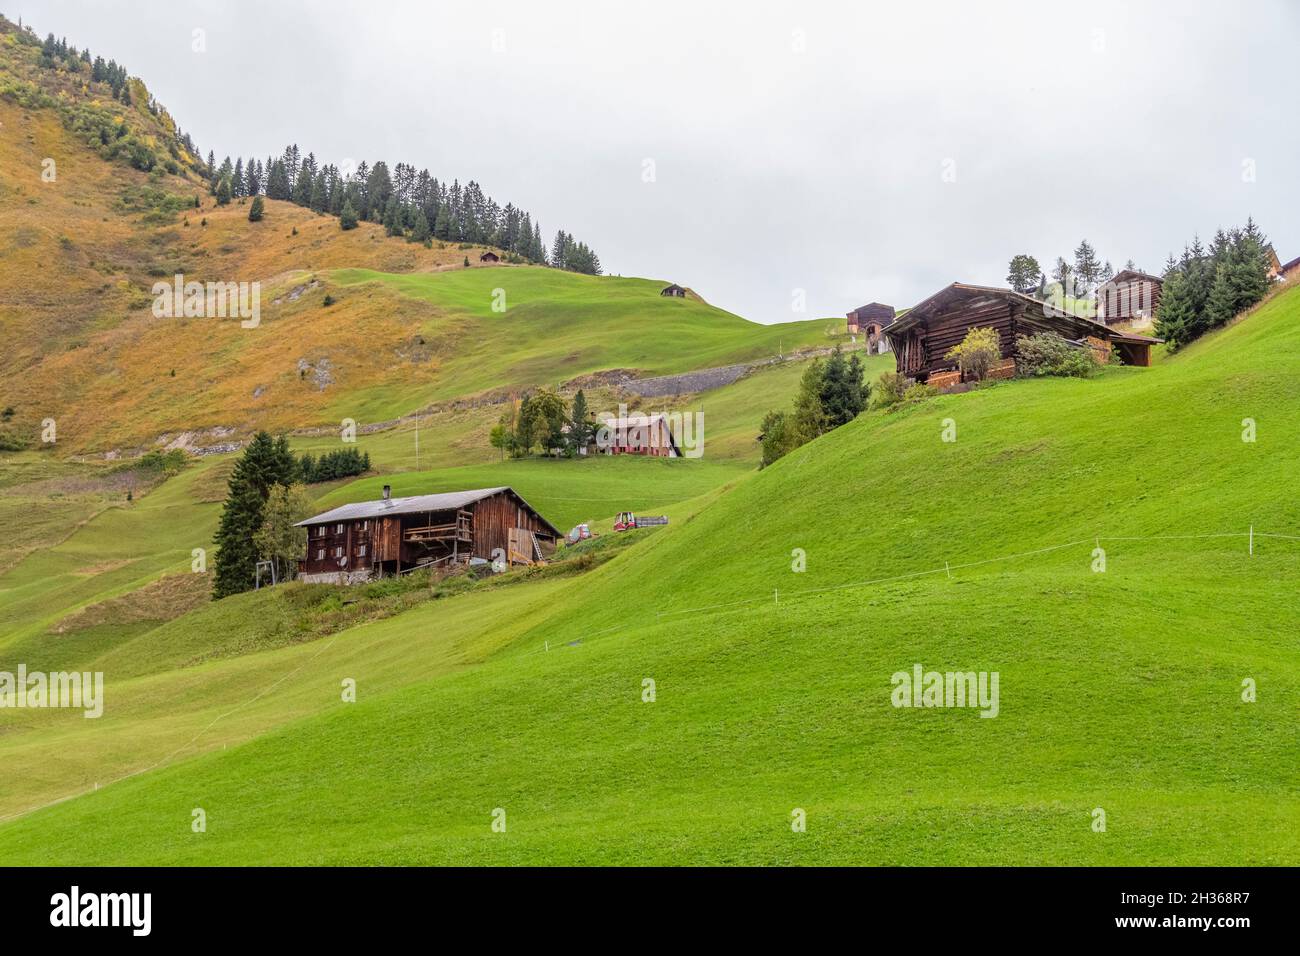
<point x="388" y="492"/>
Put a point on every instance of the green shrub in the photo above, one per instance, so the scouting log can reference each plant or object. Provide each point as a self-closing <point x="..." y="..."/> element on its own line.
<point x="978" y="352"/>
<point x="890" y="388"/>
<point x="919" y="393"/>
<point x="1048" y="354"/>
<point x="163" y="463"/>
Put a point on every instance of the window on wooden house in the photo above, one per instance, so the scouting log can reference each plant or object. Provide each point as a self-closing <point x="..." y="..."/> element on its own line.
<point x="320" y="554"/>
<point x="338" y="529"/>
<point x="338" y="552"/>
<point x="361" y="551"/>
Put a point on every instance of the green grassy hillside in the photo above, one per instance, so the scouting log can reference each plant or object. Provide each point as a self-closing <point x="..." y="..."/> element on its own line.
<point x="1119" y="690"/>
<point x="76" y="541"/>
<point x="558" y="325"/>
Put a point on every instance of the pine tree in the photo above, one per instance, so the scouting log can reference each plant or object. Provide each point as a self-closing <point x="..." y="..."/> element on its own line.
<point x="842" y="392"/>
<point x="579" y="424"/>
<point x="319" y="193"/>
<point x="1176" y="319"/>
<point x="1240" y="279"/>
<point x="277" y="181"/>
<point x="420" y="231"/>
<point x="1087" y="268"/>
<point x="265" y="462"/>
<point x="392" y="217"/>
<point x="223" y="191"/>
<point x="348" y="217"/>
<point x="442" y="226"/>
<point x="256" y="209"/>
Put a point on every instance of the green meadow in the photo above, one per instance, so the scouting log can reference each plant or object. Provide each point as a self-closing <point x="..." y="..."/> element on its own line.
<point x="1090" y="541"/>
<point x="549" y="326"/>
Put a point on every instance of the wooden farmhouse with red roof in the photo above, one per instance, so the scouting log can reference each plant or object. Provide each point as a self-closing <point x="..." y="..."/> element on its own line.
<point x="922" y="337"/>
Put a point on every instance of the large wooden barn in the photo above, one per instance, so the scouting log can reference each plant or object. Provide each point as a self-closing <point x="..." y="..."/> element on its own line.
<point x="923" y="336"/>
<point x="368" y="539"/>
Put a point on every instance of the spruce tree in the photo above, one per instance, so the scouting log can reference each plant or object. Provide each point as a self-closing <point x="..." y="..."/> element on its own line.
<point x="579" y="425"/>
<point x="319" y="193"/>
<point x="265" y="462"/>
<point x="255" y="209"/>
<point x="1087" y="268"/>
<point x="1176" y="319"/>
<point x="420" y="231"/>
<point x="348" y="217"/>
<point x="442" y="226"/>
<point x="392" y="217"/>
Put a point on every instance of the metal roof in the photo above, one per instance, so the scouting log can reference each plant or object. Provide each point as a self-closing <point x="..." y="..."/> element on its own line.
<point x="402" y="506"/>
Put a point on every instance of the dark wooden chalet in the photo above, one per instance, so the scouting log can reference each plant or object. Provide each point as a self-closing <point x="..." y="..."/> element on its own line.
<point x="368" y="539"/>
<point x="489" y="257"/>
<point x="673" y="290"/>
<point x="872" y="320"/>
<point x="874" y="313"/>
<point x="923" y="336"/>
<point x="1130" y="299"/>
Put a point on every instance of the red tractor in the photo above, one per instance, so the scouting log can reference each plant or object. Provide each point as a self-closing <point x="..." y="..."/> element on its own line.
<point x="626" y="521"/>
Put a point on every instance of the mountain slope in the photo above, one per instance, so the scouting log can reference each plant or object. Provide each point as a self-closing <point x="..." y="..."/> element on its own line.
<point x="1120" y="690"/>
<point x="81" y="252"/>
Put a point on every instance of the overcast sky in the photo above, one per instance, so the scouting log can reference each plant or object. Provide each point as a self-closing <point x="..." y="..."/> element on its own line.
<point x="857" y="151"/>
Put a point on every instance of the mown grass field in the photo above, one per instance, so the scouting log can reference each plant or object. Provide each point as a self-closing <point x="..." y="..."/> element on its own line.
<point x="77" y="540"/>
<point x="1120" y="690"/>
<point x="98" y="595"/>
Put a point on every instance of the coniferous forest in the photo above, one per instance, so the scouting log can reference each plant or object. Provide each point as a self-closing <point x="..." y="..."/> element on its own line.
<point x="407" y="202"/>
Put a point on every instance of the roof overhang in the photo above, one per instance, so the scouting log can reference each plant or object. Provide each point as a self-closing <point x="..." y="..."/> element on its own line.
<point x="447" y="501"/>
<point x="927" y="309"/>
